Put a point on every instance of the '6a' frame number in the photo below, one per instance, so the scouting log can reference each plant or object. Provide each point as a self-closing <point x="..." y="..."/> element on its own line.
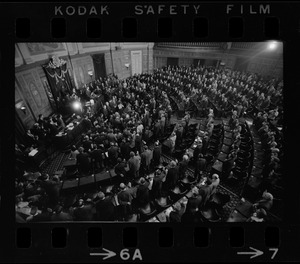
<point x="125" y="254"/>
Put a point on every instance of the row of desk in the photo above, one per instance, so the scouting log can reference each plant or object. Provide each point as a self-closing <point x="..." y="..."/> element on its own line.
<point x="255" y="179"/>
<point x="86" y="180"/>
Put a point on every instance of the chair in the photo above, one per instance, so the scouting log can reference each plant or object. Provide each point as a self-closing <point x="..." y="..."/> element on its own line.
<point x="72" y="173"/>
<point x="210" y="213"/>
<point x="220" y="198"/>
<point x="146" y="211"/>
<point x="178" y="191"/>
<point x="163" y="202"/>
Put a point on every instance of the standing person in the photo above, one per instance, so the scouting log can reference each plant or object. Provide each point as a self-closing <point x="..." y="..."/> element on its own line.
<point x="134" y="165"/>
<point x="52" y="189"/>
<point x="157" y="130"/>
<point x="179" y="134"/>
<point x="186" y="119"/>
<point x="105" y="210"/>
<point x="183" y="165"/>
<point x="215" y="182"/>
<point x="157" y="153"/>
<point x="138" y="142"/>
<point x="120" y="170"/>
<point x="171" y="178"/>
<point x="41" y="120"/>
<point x="84" y="211"/>
<point x="83" y="161"/>
<point x="113" y="153"/>
<point x="206" y="191"/>
<point x="146" y="158"/>
<point x="173" y="140"/>
<point x="169" y="114"/>
<point x="97" y="158"/>
<point x="60" y="121"/>
<point x="197" y="151"/>
<point x="200" y="166"/>
<point x="74" y="152"/>
<point x="162" y="124"/>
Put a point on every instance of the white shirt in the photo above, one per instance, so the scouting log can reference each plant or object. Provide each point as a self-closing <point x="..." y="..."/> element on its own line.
<point x="140" y="128"/>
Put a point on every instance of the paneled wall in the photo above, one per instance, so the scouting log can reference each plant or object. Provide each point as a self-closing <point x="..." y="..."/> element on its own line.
<point x="185" y="62"/>
<point x="186" y="57"/>
<point x="81" y="66"/>
<point x="267" y="64"/>
<point x="30" y="93"/>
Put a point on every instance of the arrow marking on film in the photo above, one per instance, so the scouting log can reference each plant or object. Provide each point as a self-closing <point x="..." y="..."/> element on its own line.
<point x="107" y="254"/>
<point x="255" y="253"/>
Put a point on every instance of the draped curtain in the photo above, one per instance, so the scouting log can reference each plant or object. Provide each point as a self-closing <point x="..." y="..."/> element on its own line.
<point x="58" y="78"/>
<point x="99" y="65"/>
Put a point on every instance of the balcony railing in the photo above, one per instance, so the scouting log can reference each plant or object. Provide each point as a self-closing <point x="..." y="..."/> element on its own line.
<point x="190" y="44"/>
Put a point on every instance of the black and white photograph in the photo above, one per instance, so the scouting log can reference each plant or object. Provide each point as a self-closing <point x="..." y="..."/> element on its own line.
<point x="165" y="132"/>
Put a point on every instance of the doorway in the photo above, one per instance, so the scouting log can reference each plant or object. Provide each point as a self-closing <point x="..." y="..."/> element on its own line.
<point x="172" y="61"/>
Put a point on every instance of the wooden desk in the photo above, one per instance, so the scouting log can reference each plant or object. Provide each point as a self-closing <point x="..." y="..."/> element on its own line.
<point x="245" y="209"/>
<point x="70" y="163"/>
<point x="235" y="216"/>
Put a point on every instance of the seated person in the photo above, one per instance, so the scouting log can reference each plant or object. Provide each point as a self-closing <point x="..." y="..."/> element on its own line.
<point x="74" y="152"/>
<point x="266" y="202"/>
<point x="258" y="216"/>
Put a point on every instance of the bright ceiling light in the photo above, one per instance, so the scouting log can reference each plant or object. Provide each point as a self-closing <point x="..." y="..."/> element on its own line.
<point x="272" y="45"/>
<point x="77" y="105"/>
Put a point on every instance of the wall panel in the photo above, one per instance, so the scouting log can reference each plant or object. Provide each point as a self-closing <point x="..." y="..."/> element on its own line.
<point x="81" y="66"/>
<point x="33" y="92"/>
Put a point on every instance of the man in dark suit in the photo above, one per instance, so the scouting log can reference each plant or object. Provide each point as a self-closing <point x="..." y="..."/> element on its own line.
<point x="52" y="189"/>
<point x="97" y="158"/>
<point x="142" y="193"/>
<point x="113" y="153"/>
<point x="179" y="134"/>
<point x="138" y="142"/>
<point x="60" y="215"/>
<point x="204" y="144"/>
<point x="84" y="212"/>
<point x="183" y="165"/>
<point x="171" y="178"/>
<point x="83" y="161"/>
<point x="156" y="153"/>
<point x="156" y="190"/>
<point x="105" y="210"/>
<point x="157" y="130"/>
<point x="134" y="165"/>
<point x="200" y="166"/>
<point x="146" y="158"/>
<point x="147" y="134"/>
<point x="87" y="144"/>
<point x="197" y="152"/>
<point x="121" y="171"/>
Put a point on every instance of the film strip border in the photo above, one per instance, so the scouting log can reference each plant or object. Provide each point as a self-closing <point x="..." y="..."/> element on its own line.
<point x="127" y="22"/>
<point x="152" y="243"/>
<point x="161" y="21"/>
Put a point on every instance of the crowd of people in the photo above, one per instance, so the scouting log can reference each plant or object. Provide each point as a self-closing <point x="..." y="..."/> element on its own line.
<point x="127" y="120"/>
